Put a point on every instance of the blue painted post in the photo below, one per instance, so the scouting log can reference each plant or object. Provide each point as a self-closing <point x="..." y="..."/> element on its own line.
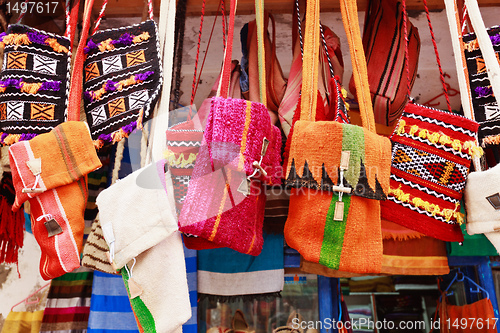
<point x="486" y="281"/>
<point x="325" y="301"/>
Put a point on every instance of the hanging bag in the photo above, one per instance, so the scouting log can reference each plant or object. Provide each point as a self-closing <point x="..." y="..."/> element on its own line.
<point x="35" y="80"/>
<point x="431" y="155"/>
<point x="383" y="42"/>
<point x="122" y="78"/>
<point x="225" y="200"/>
<point x="337" y="230"/>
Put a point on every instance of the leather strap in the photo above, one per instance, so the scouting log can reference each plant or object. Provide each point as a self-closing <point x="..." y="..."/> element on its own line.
<point x="360" y="73"/>
<point x="75" y="93"/>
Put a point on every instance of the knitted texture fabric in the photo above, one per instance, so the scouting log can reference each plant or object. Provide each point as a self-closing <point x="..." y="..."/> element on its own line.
<point x="110" y="310"/>
<point x="224" y="215"/>
<point x="94" y="251"/>
<point x="486" y="109"/>
<point x="64" y="204"/>
<point x="352" y="245"/>
<point x="481" y="203"/>
<point x="34" y="83"/>
<point x="431" y="156"/>
<point x="66" y="154"/>
<point x="481" y="310"/>
<point x="129" y="231"/>
<point x="315" y="158"/>
<point x="122" y="80"/>
<point x="165" y="306"/>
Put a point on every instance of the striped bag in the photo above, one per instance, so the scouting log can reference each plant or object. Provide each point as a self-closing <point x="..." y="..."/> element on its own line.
<point x="383" y="42"/>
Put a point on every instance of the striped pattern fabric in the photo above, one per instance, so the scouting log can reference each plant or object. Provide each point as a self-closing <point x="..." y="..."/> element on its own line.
<point x="68" y="303"/>
<point x="383" y="42"/>
<point x="94" y="251"/>
<point x="110" y="309"/>
<point x="67" y="154"/>
<point x="191" y="326"/>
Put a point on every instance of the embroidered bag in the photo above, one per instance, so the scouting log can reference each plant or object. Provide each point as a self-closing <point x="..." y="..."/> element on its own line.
<point x="337" y="230"/>
<point x="34" y="81"/>
<point x="122" y="80"/>
<point x="225" y="199"/>
<point x="431" y="156"/>
<point x="383" y="39"/>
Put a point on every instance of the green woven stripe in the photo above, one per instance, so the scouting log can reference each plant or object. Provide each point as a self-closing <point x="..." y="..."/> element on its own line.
<point x="73" y="277"/>
<point x="333" y="237"/>
<point x="146" y="320"/>
<point x="353" y="140"/>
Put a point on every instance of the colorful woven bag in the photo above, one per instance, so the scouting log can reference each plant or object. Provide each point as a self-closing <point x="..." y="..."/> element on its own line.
<point x="225" y="200"/>
<point x="34" y="81"/>
<point x="123" y="77"/>
<point x="383" y="42"/>
<point x="334" y="229"/>
<point x="431" y="156"/>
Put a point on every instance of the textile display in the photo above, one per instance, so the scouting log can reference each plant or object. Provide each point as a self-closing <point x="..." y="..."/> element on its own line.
<point x="122" y="80"/>
<point x="341" y="232"/>
<point x="110" y="309"/>
<point x="482" y="202"/>
<point x="227" y="173"/>
<point x="486" y="109"/>
<point x="129" y="231"/>
<point x="53" y="167"/>
<point x="481" y="310"/>
<point x="68" y="303"/>
<point x="34" y="82"/>
<point x="224" y="273"/>
<point x="23" y="322"/>
<point x="159" y="307"/>
<point x="383" y="42"/>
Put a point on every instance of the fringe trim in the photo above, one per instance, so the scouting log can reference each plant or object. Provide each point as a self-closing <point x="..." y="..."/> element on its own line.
<point x="9" y="139"/>
<point x="110" y="85"/>
<point x="245" y="298"/>
<point x="109" y="44"/>
<point x="28" y="38"/>
<point x="401" y="236"/>
<point x="469" y="147"/>
<point x="491" y="140"/>
<point x="116" y="136"/>
<point x="448" y="214"/>
<point x="179" y="161"/>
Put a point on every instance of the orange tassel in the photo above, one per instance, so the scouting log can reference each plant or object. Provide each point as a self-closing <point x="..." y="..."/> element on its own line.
<point x="11" y="139"/>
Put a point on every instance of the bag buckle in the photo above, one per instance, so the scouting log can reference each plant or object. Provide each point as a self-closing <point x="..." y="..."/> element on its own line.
<point x="338" y="214"/>
<point x="244" y="187"/>
<point x="35" y="166"/>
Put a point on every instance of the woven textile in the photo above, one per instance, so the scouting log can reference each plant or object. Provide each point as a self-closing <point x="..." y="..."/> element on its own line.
<point x="122" y="80"/>
<point x="482" y="311"/>
<point x="191" y="326"/>
<point x="23" y="322"/>
<point x="94" y="251"/>
<point x="225" y="272"/>
<point x="486" y="110"/>
<point x="228" y="217"/>
<point x="110" y="310"/>
<point x="383" y="42"/>
<point x="431" y="156"/>
<point x="68" y="303"/>
<point x="34" y="83"/>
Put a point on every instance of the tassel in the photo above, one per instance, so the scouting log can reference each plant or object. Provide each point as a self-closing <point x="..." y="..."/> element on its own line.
<point x="11" y="224"/>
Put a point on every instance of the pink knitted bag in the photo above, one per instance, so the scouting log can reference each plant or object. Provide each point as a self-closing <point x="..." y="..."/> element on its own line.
<point x="239" y="153"/>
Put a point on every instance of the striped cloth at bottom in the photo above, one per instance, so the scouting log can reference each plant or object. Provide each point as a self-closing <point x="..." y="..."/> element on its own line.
<point x="68" y="303"/>
<point x="110" y="309"/>
<point x="191" y="326"/>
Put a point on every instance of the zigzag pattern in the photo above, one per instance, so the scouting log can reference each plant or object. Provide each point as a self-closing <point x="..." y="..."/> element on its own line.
<point x="115" y="49"/>
<point x="361" y="188"/>
<point x="404" y="204"/>
<point x="423" y="189"/>
<point x="184" y="143"/>
<point x="448" y="149"/>
<point x="28" y="95"/>
<point x="18" y="128"/>
<point x="481" y="79"/>
<point x="118" y="77"/>
<point x="440" y="123"/>
<point x="111" y="94"/>
<point x="40" y="50"/>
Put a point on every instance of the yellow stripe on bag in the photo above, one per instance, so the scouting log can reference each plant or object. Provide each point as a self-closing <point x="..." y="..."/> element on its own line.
<point x="221" y="207"/>
<point x="248" y="117"/>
